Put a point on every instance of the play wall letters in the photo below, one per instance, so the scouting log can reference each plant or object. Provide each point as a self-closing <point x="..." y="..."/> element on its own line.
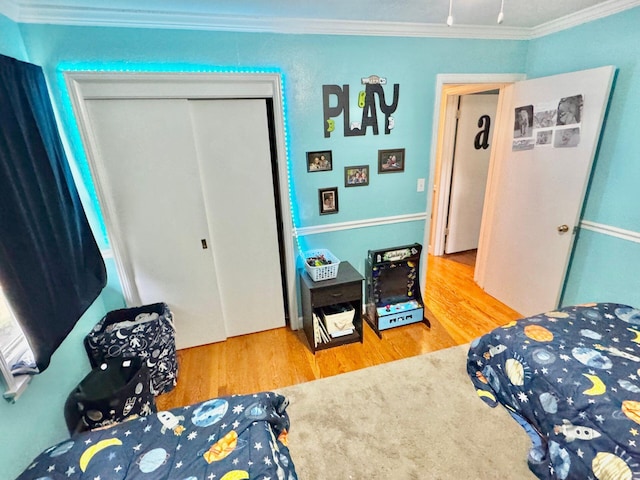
<point x="366" y="101"/>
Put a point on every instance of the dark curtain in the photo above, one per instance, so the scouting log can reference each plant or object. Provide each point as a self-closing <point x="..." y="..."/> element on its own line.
<point x="50" y="265"/>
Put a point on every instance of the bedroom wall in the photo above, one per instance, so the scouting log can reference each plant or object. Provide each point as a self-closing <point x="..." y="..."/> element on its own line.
<point x="11" y="43"/>
<point x="308" y="62"/>
<point x="604" y="266"/>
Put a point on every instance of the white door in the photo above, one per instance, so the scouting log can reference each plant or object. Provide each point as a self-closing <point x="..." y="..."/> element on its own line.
<point x="232" y="143"/>
<point x="152" y="178"/>
<point x="538" y="181"/>
<point x="470" y="167"/>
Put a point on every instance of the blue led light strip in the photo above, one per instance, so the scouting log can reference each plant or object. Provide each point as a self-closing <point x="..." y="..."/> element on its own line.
<point x="291" y="188"/>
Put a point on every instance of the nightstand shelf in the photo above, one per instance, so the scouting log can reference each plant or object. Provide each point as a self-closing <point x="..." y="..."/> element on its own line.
<point x="345" y="289"/>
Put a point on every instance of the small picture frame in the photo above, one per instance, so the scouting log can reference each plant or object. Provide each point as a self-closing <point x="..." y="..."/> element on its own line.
<point x="356" y="176"/>
<point x="391" y="161"/>
<point x="328" y="198"/>
<point x="319" y="161"/>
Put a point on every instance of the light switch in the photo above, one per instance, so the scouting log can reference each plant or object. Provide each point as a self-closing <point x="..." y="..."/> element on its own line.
<point x="421" y="184"/>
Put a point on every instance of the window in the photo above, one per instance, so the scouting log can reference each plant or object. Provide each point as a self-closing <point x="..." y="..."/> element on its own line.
<point x="51" y="269"/>
<point x="16" y="358"/>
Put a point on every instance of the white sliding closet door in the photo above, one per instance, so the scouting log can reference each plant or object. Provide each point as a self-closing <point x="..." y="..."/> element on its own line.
<point x="233" y="151"/>
<point x="151" y="176"/>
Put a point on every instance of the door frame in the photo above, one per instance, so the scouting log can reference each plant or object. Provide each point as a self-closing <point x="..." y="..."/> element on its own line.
<point x="91" y="85"/>
<point x="449" y="87"/>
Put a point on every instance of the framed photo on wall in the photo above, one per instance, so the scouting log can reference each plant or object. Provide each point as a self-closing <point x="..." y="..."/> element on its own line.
<point x="356" y="176"/>
<point x="391" y="161"/>
<point x="319" y="161"/>
<point x="328" y="198"/>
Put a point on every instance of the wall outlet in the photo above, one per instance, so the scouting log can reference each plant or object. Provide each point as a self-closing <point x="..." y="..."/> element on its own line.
<point x="421" y="184"/>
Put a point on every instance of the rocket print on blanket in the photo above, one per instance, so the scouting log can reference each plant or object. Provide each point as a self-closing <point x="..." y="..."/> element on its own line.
<point x="231" y="438"/>
<point x="571" y="378"/>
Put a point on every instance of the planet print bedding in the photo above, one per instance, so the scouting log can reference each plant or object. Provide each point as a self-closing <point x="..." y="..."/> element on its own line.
<point x="227" y="438"/>
<point x="571" y="379"/>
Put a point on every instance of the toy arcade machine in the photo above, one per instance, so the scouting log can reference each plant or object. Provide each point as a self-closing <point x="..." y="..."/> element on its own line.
<point x="392" y="293"/>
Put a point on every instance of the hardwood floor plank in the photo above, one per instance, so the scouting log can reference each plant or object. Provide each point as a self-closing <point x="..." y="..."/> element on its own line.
<point x="458" y="309"/>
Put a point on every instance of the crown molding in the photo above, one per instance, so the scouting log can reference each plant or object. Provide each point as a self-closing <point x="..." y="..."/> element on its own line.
<point x="584" y="16"/>
<point x="115" y="17"/>
<point x="111" y="17"/>
<point x="9" y="9"/>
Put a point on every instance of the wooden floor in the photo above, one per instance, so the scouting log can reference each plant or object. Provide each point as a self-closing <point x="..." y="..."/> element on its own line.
<point x="459" y="311"/>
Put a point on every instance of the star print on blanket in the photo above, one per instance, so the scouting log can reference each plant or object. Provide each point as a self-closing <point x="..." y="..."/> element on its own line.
<point x="227" y="438"/>
<point x="571" y="378"/>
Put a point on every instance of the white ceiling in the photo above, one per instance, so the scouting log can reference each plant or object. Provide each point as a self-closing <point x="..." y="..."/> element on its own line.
<point x="522" y="18"/>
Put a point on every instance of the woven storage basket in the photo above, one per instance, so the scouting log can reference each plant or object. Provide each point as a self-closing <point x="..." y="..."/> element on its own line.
<point x="323" y="272"/>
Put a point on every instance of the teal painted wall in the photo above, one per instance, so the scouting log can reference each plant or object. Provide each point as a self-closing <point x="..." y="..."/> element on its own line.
<point x="11" y="43"/>
<point x="603" y="270"/>
<point x="602" y="267"/>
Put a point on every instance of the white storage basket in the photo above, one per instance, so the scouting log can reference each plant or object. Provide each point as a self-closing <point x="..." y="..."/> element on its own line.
<point x="323" y="272"/>
<point x="338" y="319"/>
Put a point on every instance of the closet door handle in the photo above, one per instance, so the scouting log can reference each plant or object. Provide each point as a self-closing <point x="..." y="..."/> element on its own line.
<point x="203" y="241"/>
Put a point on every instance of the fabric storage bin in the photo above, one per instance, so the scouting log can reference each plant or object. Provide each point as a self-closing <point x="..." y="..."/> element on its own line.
<point x="146" y="332"/>
<point x="118" y="389"/>
<point x="338" y="319"/>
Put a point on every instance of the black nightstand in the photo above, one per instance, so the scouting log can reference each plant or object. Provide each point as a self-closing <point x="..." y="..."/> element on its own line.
<point x="345" y="289"/>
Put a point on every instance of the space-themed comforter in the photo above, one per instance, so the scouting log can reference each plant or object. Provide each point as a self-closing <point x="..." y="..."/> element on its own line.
<point x="228" y="438"/>
<point x="571" y="378"/>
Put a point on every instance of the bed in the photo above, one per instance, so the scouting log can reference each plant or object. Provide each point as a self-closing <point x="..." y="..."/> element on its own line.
<point x="226" y="438"/>
<point x="571" y="378"/>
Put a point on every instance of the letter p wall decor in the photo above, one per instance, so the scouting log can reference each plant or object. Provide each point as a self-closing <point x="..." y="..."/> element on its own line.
<point x="336" y="102"/>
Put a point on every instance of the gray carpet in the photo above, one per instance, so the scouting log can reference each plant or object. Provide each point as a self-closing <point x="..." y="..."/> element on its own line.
<point x="417" y="418"/>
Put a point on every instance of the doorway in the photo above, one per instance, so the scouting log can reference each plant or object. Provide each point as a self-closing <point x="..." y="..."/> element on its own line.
<point x="469" y="167"/>
<point x="449" y="90"/>
<point x="536" y="182"/>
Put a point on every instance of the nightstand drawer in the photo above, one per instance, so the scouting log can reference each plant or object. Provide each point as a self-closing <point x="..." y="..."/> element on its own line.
<point x="332" y="295"/>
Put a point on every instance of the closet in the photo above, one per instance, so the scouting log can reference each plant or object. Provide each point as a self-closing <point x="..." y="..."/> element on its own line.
<point x="190" y="188"/>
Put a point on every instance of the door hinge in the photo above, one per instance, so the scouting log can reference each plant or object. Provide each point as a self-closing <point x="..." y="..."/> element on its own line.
<point x="446" y="231"/>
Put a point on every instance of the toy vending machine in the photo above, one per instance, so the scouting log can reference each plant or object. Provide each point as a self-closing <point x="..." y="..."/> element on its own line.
<point x="392" y="295"/>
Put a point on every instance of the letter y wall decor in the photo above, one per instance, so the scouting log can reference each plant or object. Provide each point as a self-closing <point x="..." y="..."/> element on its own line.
<point x="336" y="102"/>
